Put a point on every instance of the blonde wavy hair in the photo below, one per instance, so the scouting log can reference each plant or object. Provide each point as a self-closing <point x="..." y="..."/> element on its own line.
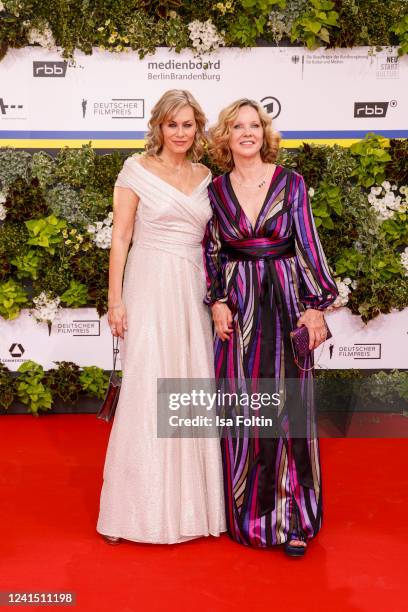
<point x="219" y="135"/>
<point x="171" y="102"/>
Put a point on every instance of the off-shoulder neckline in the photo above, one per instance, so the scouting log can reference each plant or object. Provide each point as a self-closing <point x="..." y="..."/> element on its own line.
<point x="156" y="176"/>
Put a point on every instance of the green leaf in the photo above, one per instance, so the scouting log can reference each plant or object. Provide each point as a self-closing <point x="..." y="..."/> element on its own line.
<point x="328" y="223"/>
<point x="313" y="26"/>
<point x="324" y="35"/>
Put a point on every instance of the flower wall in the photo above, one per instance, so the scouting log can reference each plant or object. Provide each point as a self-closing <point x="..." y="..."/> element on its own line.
<point x="143" y="25"/>
<point x="56" y="212"/>
<point x="56" y="223"/>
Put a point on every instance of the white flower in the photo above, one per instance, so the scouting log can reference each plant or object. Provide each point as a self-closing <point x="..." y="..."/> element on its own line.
<point x="46" y="307"/>
<point x="42" y="37"/>
<point x="389" y="198"/>
<point x="1" y="7"/>
<point x="384" y="201"/>
<point x="311" y="192"/>
<point x="3" y="196"/>
<point x="3" y="212"/>
<point x="404" y="260"/>
<point x="344" y="292"/>
<point x="204" y="36"/>
<point x="102" y="232"/>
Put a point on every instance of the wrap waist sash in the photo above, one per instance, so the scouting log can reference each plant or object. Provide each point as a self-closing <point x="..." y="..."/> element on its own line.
<point x="253" y="249"/>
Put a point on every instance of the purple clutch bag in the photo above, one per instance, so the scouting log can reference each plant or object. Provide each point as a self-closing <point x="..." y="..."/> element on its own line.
<point x="299" y="338"/>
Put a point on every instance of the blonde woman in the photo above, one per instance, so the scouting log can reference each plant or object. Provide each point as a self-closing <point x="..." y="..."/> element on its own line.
<point x="160" y="490"/>
<point x="266" y="274"/>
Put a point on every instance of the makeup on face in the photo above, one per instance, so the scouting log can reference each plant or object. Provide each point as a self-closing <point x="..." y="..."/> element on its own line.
<point x="246" y="132"/>
<point x="179" y="130"/>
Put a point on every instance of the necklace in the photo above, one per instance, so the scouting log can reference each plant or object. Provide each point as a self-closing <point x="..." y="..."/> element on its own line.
<point x="173" y="168"/>
<point x="258" y="185"/>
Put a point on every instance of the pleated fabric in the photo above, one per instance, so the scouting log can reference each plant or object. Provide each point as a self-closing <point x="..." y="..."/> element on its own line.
<point x="162" y="490"/>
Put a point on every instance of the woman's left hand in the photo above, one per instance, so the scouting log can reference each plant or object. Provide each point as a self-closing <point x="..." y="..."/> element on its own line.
<point x="314" y="321"/>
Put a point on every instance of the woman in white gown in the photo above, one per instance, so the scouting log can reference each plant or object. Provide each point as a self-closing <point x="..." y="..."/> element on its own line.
<point x="160" y="490"/>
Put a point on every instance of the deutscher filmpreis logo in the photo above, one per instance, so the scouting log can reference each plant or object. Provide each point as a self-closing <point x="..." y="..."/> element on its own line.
<point x="360" y="350"/>
<point x="79" y="328"/>
<point x="114" y="108"/>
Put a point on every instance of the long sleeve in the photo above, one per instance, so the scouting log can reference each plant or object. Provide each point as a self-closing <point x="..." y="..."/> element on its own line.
<point x="216" y="291"/>
<point x="317" y="287"/>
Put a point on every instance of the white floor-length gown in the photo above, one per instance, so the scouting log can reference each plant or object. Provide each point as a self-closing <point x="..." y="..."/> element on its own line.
<point x="162" y="490"/>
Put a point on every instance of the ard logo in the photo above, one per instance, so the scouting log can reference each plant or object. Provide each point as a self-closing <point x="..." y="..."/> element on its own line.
<point x="272" y="106"/>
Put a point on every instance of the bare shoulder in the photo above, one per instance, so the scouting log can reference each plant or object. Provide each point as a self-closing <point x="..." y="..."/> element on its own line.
<point x="142" y="159"/>
<point x="201" y="171"/>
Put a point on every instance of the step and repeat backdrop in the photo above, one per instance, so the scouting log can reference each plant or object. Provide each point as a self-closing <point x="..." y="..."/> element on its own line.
<point x="79" y="335"/>
<point x="321" y="96"/>
<point x="325" y="96"/>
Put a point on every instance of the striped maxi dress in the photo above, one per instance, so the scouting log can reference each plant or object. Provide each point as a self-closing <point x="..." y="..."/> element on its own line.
<point x="268" y="275"/>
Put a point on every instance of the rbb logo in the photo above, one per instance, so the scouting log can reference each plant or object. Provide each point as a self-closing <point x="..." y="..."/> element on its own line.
<point x="16" y="350"/>
<point x="372" y="109"/>
<point x="49" y="69"/>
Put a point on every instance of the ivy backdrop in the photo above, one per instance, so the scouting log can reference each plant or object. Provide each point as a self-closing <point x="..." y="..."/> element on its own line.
<point x="143" y="25"/>
<point x="55" y="213"/>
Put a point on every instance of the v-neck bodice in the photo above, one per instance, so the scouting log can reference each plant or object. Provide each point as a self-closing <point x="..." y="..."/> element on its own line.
<point x="253" y="226"/>
<point x="168" y="185"/>
<point x="166" y="218"/>
<point x="239" y="226"/>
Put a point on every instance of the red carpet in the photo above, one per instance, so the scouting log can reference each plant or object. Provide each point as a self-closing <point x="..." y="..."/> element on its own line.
<point x="50" y="474"/>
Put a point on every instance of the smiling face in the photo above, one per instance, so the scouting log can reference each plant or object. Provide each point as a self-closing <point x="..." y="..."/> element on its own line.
<point x="179" y="130"/>
<point x="246" y="133"/>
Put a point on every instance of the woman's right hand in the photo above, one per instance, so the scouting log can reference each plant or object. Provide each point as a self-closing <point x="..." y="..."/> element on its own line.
<point x="117" y="319"/>
<point x="222" y="318"/>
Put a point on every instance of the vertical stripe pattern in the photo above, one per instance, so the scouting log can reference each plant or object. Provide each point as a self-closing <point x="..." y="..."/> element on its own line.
<point x="299" y="279"/>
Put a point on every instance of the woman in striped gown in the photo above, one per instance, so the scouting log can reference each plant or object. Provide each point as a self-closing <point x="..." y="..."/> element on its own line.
<point x="266" y="274"/>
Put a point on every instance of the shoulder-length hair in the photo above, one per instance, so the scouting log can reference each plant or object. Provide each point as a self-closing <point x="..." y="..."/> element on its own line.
<point x="171" y="102"/>
<point x="219" y="135"/>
